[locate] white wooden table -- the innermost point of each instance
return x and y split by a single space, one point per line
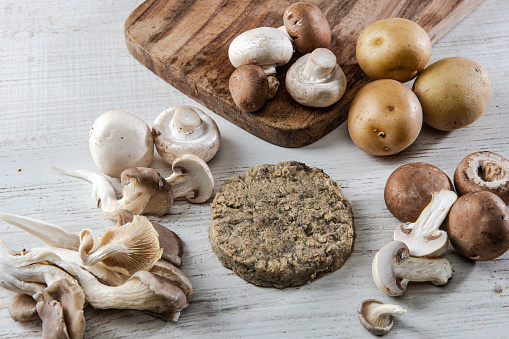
63 63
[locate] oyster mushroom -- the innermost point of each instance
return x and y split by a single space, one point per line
316 80
424 237
393 269
119 140
185 130
250 87
483 171
377 317
144 191
23 308
191 179
307 26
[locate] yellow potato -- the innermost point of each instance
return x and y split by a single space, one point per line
385 117
454 92
393 49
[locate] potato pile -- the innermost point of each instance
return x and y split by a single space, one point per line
385 117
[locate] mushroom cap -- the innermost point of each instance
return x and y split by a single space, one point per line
198 176
203 142
262 46
382 268
119 140
170 272
483 171
478 226
409 188
22 308
308 27
377 325
315 93
249 87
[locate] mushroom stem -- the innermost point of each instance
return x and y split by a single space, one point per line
186 124
319 65
380 315
51 235
273 86
269 69
489 169
438 271
180 184
433 215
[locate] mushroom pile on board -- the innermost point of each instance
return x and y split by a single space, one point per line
314 80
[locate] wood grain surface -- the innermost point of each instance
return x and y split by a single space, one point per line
186 43
64 62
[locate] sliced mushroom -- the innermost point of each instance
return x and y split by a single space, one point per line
424 237
316 80
393 268
144 191
23 308
483 171
119 140
307 26
127 249
266 47
191 179
250 87
377 317
185 130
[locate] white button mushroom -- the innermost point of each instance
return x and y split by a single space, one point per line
185 130
191 179
119 140
393 269
377 317
424 238
267 47
316 80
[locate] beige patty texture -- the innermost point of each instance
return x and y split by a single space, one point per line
281 225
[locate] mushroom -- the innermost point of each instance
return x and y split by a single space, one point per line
191 179
170 272
307 26
23 308
250 87
408 189
424 238
266 47
126 249
483 171
377 317
144 191
183 130
478 226
393 268
315 79
119 140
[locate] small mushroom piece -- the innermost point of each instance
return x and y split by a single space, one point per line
191 179
267 47
130 247
119 140
250 87
483 171
408 189
377 317
183 130
393 269
424 237
478 226
144 191
316 80
308 27
23 308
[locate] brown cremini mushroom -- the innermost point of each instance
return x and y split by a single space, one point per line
408 189
483 171
478 226
377 317
307 26
250 87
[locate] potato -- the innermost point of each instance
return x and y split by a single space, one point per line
393 49
454 92
385 117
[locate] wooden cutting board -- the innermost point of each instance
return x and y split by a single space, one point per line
185 42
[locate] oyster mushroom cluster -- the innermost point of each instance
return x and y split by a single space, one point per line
314 80
125 268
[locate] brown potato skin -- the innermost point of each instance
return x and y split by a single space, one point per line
393 48
249 87
408 189
454 92
478 226
385 117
